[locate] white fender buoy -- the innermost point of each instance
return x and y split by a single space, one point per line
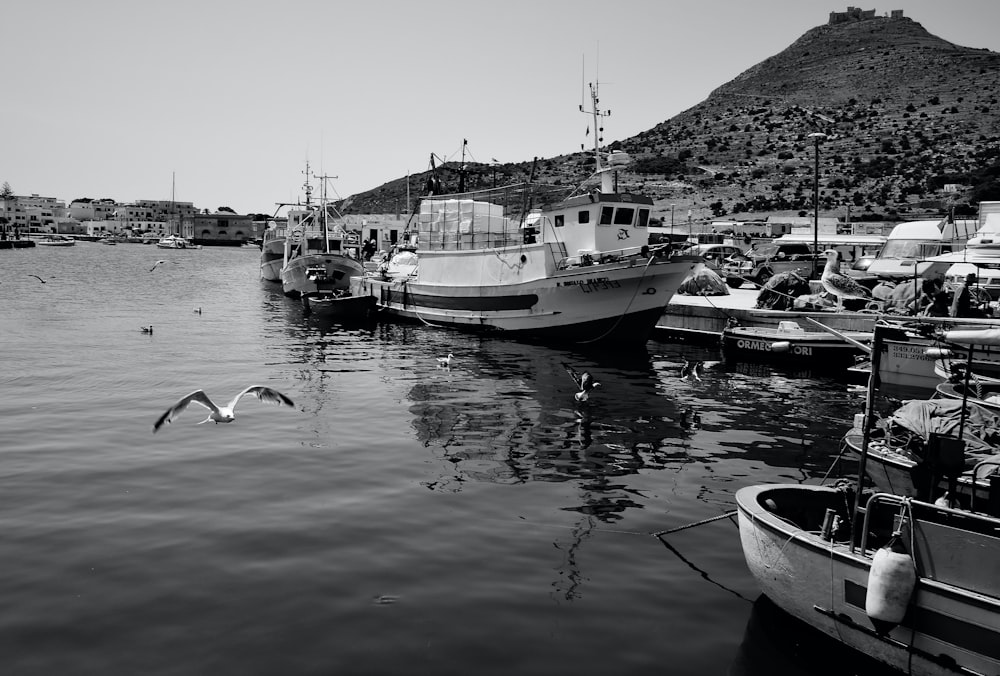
781 346
938 352
891 581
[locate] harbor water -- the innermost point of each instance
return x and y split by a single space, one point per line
403 518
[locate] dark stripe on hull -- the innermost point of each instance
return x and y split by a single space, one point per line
463 303
960 633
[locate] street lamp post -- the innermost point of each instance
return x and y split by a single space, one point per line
817 137
672 226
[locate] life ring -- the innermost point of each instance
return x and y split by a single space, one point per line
296 236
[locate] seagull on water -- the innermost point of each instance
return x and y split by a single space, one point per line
840 285
690 418
692 369
146 329
225 413
445 361
197 310
38 278
584 381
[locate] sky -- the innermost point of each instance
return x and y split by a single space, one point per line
222 102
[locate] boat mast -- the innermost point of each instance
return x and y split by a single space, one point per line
326 211
598 117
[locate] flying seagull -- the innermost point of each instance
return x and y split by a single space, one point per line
38 278
159 262
445 361
225 413
584 381
692 369
840 285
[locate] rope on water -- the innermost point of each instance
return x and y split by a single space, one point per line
726 515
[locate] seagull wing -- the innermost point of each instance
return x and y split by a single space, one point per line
587 381
197 397
265 394
574 375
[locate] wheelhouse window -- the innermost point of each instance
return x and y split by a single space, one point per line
643 218
606 214
624 215
560 220
583 217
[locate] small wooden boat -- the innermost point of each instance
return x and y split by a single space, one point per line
339 306
985 393
790 343
930 610
911 583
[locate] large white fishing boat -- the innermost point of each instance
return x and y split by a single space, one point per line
536 262
319 258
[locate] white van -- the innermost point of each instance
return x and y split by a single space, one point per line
909 245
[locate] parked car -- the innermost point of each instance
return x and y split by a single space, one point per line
758 264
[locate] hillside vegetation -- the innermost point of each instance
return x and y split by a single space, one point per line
911 122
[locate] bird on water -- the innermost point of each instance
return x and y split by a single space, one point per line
445 361
146 329
223 414
584 381
692 369
838 284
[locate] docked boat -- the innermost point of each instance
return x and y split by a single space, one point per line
912 583
343 306
790 343
176 242
272 251
980 391
56 240
538 263
916 451
319 258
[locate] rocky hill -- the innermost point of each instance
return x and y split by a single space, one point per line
912 125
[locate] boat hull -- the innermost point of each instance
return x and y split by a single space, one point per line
319 274
814 349
951 620
618 303
272 257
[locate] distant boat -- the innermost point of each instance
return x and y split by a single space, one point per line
539 262
56 240
272 251
317 259
176 242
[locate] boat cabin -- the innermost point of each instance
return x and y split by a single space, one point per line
583 227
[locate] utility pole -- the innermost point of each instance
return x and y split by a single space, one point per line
817 137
